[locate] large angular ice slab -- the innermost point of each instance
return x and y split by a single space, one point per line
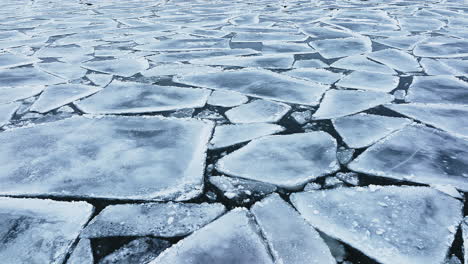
39 231
124 67
442 47
273 61
362 63
451 118
337 48
259 37
362 130
8 95
178 69
259 83
315 75
438 90
138 251
389 224
132 97
369 81
419 154
258 111
8 60
65 71
67 53
288 161
396 59
186 44
225 98
82 254
190 55
401 42
228 135
55 96
107 157
337 103
152 219
233 238
7 111
291 239
27 76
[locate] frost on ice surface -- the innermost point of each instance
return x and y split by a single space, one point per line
288 161
362 63
337 48
82 254
8 60
442 47
241 190
315 75
419 154
260 83
233 238
451 118
27 76
55 96
124 67
140 250
396 59
362 130
226 98
132 97
108 157
7 111
152 219
258 111
337 103
39 231
228 135
273 61
290 237
390 224
369 81
438 90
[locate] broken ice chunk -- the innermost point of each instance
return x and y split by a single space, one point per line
401 42
438 90
258 111
241 191
272 61
190 55
107 157
362 63
451 118
288 161
259 37
350 178
337 48
140 250
338 103
186 44
8 60
177 69
310 64
132 97
315 75
344 155
419 154
276 47
396 59
151 219
440 47
228 135
82 254
7 111
291 239
39 230
389 224
362 130
27 76
124 67
8 95
98 79
233 238
369 81
226 98
260 83
302 117
57 95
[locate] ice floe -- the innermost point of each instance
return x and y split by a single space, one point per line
258 111
228 135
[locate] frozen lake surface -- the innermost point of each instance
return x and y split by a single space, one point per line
233 131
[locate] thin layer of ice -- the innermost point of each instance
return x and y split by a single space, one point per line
442 47
419 154
108 157
396 59
337 48
186 44
124 67
369 81
27 76
337 103
8 95
258 111
178 69
290 237
272 61
8 60
228 135
315 75
438 90
389 224
65 71
186 56
233 238
39 231
225 98
362 130
362 63
98 79
401 42
132 97
7 111
288 161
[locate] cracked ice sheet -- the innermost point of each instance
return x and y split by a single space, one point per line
396 59
442 47
451 118
14 60
228 135
233 238
132 97
185 44
124 67
337 48
152 219
362 63
315 75
7 111
390 224
258 111
419 154
111 157
39 231
438 90
337 103
186 56
8 95
369 81
260 83
288 161
272 61
28 76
